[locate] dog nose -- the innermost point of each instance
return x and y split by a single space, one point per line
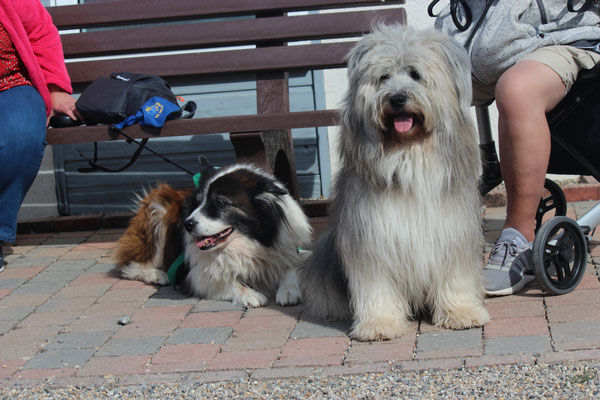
189 225
398 101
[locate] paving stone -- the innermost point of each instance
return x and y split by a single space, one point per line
214 306
79 340
516 309
33 262
450 340
100 268
63 241
155 314
490 361
200 335
67 304
49 251
130 346
92 324
11 283
21 272
308 329
167 296
88 279
45 319
112 309
7 325
523 326
379 351
83 291
44 374
266 323
59 359
575 330
25 300
274 309
518 345
257 340
85 255
65 276
42 287
247 359
113 366
147 329
206 319
574 313
120 296
170 354
15 313
71 265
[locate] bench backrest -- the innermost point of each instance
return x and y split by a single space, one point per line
203 39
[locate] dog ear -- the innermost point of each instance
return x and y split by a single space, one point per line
457 59
206 167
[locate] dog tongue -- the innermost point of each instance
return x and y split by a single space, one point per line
403 123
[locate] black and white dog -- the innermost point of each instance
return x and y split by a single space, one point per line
240 230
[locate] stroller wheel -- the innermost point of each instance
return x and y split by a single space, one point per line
552 199
559 255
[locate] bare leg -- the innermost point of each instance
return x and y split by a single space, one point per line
524 93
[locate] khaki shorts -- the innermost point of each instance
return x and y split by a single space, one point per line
566 61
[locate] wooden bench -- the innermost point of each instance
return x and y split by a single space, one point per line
202 38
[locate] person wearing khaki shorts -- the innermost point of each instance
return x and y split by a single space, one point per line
525 54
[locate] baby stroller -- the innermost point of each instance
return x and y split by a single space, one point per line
560 248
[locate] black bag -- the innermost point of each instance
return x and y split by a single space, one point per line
110 100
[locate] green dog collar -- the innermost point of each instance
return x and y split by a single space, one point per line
196 179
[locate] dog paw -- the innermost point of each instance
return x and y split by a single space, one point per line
251 298
149 275
288 295
378 329
156 277
464 318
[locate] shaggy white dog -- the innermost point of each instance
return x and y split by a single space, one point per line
404 230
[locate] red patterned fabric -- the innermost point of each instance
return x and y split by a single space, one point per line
11 70
37 42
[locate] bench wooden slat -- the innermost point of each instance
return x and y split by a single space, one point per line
239 123
267 59
225 33
139 11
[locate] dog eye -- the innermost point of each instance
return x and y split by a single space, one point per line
222 200
415 76
383 78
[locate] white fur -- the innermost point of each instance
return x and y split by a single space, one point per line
405 227
149 274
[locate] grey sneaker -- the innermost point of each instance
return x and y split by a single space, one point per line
510 266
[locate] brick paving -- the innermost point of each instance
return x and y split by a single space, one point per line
60 303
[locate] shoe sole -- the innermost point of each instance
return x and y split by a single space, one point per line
513 289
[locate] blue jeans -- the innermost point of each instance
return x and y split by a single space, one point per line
22 143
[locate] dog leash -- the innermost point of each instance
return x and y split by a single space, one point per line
172 271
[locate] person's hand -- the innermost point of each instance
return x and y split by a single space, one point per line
63 103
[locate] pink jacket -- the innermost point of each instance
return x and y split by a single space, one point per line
38 44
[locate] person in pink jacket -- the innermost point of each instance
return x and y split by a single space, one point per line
34 85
